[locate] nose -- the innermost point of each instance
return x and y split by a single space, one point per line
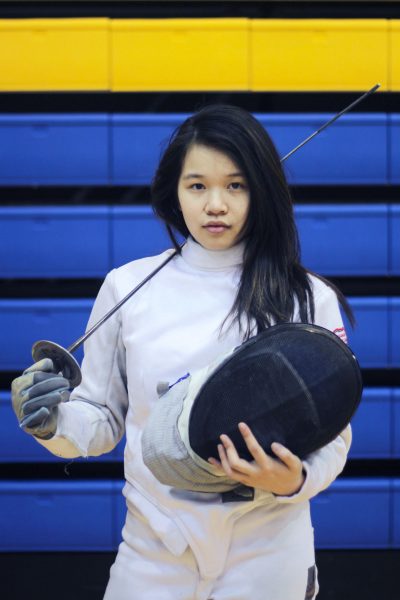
216 204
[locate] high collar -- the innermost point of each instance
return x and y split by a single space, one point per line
199 257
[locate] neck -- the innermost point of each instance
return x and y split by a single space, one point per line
212 260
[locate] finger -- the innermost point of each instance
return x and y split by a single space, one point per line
230 450
48 401
290 460
237 464
28 381
239 476
21 384
46 364
35 419
253 446
224 460
215 463
44 383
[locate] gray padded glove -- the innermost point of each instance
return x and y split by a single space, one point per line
36 395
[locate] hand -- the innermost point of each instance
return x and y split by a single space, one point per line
282 476
35 397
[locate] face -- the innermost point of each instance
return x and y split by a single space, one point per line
213 196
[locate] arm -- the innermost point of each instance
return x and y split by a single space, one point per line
92 422
323 466
289 478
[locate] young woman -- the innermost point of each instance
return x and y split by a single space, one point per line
219 184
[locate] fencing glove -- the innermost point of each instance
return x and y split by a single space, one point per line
36 395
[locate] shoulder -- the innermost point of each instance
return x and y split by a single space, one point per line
142 266
123 279
327 309
321 291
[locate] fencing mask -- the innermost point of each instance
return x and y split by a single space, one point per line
297 384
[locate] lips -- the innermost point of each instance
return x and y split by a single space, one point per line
219 224
216 226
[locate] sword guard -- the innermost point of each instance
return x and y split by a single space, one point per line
62 359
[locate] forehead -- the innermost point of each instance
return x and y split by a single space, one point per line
206 160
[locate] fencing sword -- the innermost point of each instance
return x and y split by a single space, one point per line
63 358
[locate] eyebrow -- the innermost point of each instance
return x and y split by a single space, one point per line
198 176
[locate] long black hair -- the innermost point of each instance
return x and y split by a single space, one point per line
272 275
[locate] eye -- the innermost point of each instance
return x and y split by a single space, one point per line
197 186
237 185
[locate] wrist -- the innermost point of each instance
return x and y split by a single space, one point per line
301 483
296 489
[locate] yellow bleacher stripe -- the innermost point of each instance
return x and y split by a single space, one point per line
199 54
318 54
180 54
54 54
394 75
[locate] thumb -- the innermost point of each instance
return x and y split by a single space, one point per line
35 419
45 364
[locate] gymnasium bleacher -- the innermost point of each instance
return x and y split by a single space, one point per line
347 206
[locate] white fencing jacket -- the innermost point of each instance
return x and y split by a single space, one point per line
172 326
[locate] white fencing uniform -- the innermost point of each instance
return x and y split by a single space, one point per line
178 544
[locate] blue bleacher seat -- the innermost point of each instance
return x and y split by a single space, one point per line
136 233
394 335
54 241
336 239
55 515
372 425
396 422
50 149
369 340
16 446
375 433
394 212
137 144
353 513
394 149
88 515
23 322
353 151
338 156
124 149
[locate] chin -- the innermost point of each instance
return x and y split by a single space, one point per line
217 244
214 242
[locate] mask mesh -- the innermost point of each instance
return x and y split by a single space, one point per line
295 384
